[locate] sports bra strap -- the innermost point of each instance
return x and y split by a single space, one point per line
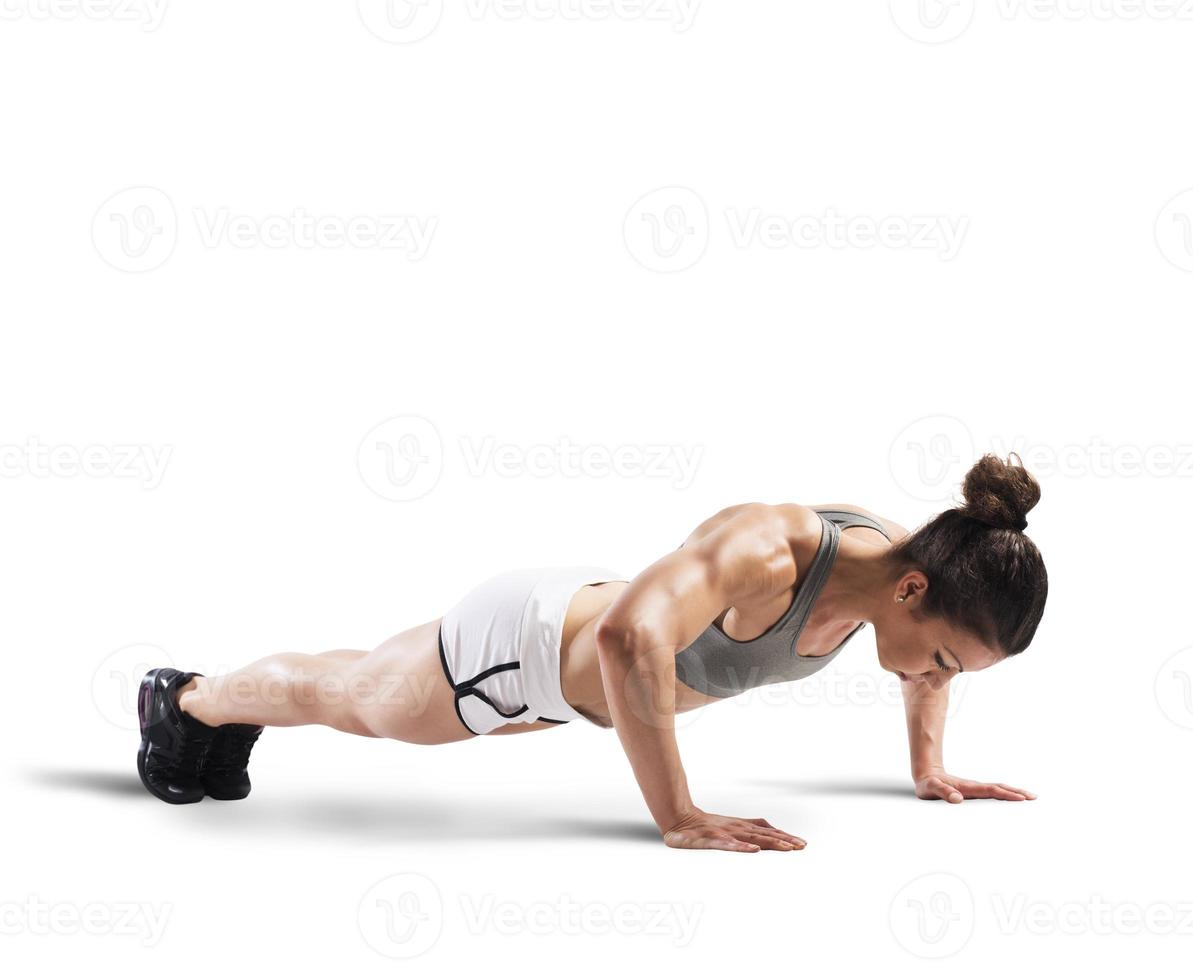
847 518
818 573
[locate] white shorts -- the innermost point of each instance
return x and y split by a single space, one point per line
499 646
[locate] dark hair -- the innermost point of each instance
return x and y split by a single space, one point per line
985 575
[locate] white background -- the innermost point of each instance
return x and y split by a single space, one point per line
256 365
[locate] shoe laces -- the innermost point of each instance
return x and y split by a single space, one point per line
193 751
185 758
231 747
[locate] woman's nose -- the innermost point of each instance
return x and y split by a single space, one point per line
932 678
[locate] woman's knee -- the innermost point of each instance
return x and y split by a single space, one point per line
303 685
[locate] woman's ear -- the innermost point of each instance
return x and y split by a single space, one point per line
910 589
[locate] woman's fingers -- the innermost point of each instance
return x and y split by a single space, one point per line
967 789
716 832
993 791
768 843
726 842
746 841
1001 792
761 826
945 791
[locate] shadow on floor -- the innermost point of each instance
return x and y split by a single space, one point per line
348 814
88 781
840 787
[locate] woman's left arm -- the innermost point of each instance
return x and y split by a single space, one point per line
926 708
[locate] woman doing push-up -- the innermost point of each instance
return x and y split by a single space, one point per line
756 595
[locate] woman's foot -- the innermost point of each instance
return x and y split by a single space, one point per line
225 774
174 745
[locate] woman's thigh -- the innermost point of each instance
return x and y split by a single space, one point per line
399 690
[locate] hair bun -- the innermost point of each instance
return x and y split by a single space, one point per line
999 492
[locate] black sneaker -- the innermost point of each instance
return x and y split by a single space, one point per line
173 744
225 773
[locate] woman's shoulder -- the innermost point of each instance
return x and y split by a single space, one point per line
797 525
783 520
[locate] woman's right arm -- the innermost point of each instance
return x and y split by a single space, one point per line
661 612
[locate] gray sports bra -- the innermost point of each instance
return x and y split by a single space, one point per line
720 666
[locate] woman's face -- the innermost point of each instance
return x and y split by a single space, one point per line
927 649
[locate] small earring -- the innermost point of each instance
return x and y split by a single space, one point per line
900 598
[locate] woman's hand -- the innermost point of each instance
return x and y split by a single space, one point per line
939 785
698 829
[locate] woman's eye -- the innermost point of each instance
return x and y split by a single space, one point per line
941 664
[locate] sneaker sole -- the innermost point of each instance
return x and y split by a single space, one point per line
144 703
217 796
